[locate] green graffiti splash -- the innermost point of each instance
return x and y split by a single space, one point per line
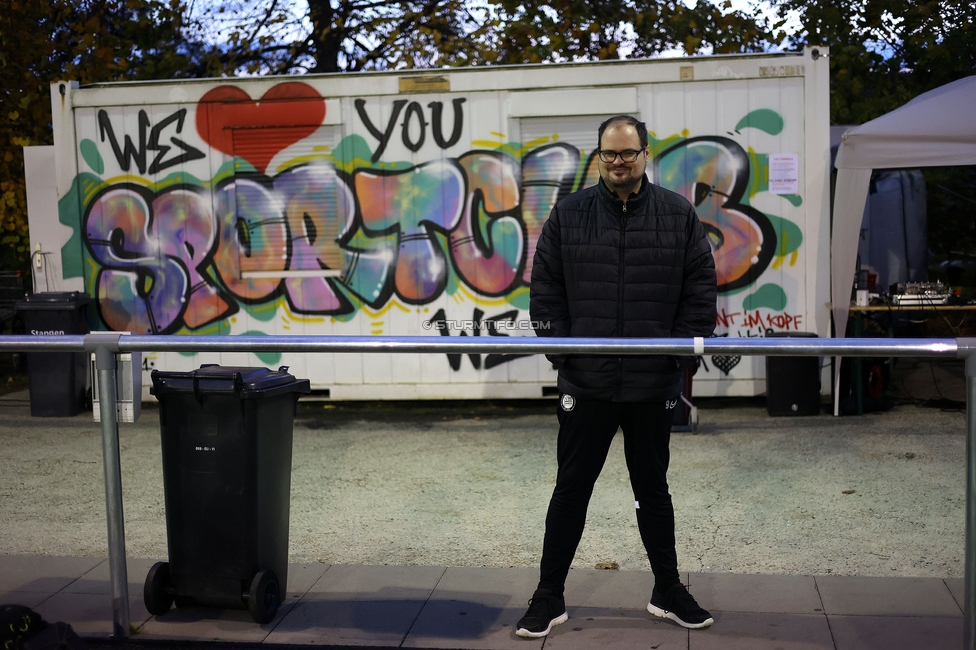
89 151
177 179
218 328
225 171
758 173
771 296
795 199
267 358
763 119
788 235
519 298
91 269
241 165
452 285
513 149
264 312
71 207
657 146
354 300
352 152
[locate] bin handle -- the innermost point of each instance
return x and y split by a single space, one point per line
196 390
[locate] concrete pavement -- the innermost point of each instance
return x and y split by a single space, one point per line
420 526
477 608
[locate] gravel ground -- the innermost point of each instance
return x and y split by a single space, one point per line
462 484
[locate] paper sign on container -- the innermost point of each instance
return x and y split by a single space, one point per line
784 173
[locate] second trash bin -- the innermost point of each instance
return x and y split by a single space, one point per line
58 380
226 437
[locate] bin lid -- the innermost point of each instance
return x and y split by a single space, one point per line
243 381
54 300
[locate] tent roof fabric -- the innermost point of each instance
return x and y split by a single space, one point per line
936 129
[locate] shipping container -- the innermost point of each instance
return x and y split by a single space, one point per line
409 202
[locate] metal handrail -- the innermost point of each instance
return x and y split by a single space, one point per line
107 345
500 344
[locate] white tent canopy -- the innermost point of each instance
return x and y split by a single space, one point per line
936 129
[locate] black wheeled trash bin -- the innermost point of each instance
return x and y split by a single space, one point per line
793 383
226 443
58 380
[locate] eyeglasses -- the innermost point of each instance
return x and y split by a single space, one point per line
627 155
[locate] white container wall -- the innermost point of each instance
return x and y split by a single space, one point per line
409 204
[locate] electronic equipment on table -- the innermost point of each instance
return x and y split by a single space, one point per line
919 293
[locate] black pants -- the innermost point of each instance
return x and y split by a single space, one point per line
585 433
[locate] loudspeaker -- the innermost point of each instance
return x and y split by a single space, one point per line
792 383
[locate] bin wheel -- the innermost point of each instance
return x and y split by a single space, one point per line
264 597
158 592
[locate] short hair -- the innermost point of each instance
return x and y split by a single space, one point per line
625 119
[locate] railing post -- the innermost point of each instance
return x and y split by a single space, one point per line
967 350
105 345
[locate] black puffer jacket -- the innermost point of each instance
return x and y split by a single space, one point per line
603 269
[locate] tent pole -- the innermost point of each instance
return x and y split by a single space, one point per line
836 386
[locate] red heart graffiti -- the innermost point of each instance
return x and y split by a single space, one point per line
256 130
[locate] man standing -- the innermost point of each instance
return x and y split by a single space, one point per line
624 258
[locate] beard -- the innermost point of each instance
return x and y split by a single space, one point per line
631 181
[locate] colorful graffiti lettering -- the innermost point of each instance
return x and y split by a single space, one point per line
411 229
488 250
151 252
414 206
327 235
547 174
712 173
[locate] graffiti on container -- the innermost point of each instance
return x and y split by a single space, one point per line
750 325
413 116
756 319
328 235
493 325
130 152
708 171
